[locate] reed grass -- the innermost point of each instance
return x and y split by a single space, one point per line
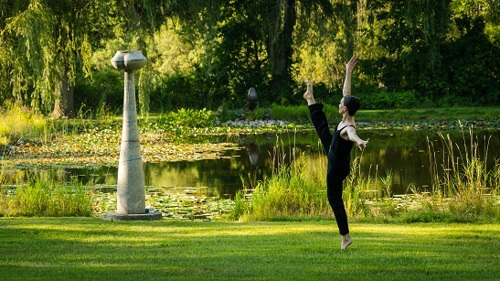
20 123
464 188
460 172
287 194
45 196
297 189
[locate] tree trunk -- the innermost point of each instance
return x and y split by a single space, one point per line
281 80
64 106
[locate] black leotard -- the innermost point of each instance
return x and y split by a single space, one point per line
337 148
339 154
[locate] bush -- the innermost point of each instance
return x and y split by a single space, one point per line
190 118
385 100
182 123
259 114
105 89
175 91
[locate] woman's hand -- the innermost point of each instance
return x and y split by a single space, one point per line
346 90
361 144
351 64
352 136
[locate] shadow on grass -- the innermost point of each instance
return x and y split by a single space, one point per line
92 249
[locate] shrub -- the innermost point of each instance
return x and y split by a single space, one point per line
259 114
175 91
190 118
105 89
388 100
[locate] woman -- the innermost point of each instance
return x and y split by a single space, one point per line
338 146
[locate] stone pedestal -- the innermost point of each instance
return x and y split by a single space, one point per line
132 217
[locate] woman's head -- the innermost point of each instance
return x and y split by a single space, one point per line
352 103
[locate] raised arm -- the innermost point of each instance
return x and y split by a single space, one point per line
348 73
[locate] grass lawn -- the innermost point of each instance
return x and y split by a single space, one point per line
93 249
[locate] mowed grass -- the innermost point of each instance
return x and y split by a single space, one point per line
93 249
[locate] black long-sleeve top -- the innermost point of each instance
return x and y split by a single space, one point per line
337 149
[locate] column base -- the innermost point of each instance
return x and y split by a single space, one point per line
132 217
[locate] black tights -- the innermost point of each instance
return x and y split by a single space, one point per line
334 193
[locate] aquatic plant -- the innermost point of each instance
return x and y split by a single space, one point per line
46 196
20 124
288 194
460 172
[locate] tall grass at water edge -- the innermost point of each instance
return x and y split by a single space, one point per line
463 189
23 125
19 123
463 184
46 196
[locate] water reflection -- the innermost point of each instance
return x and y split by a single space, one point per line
404 154
253 153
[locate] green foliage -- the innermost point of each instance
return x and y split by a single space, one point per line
47 197
354 195
297 191
20 123
241 206
31 61
463 175
463 191
176 91
203 54
301 113
289 195
188 118
260 114
468 55
293 191
104 89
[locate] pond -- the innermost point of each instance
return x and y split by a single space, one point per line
403 153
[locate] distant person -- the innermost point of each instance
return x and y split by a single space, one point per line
338 146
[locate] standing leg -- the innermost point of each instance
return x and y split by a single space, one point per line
334 193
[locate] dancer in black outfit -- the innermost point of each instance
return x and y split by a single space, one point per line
338 147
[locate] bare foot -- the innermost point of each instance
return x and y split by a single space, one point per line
308 95
346 241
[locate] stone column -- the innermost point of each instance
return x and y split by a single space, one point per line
130 189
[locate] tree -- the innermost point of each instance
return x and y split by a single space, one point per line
246 37
46 40
327 36
487 10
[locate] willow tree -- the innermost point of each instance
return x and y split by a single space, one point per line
45 39
48 42
134 23
7 10
260 32
327 36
